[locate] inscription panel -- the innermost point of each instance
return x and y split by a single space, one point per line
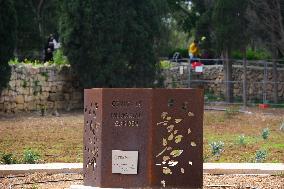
126 128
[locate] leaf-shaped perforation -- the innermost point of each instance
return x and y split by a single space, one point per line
185 106
171 102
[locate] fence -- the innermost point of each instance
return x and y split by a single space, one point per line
256 82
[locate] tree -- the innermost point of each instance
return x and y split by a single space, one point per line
230 33
36 20
111 43
267 21
8 25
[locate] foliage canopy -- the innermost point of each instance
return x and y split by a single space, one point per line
8 39
111 43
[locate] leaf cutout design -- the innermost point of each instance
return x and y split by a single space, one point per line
193 144
169 118
182 170
178 120
161 152
176 153
170 128
167 171
164 115
169 148
171 137
178 138
166 158
189 131
163 122
165 142
172 163
190 114
175 132
163 183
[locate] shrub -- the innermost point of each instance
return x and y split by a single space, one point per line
252 55
59 58
231 111
31 157
282 127
260 156
8 159
265 133
241 140
8 38
217 148
183 52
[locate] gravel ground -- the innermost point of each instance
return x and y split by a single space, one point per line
61 181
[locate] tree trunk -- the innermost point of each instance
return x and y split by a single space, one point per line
228 77
245 78
275 81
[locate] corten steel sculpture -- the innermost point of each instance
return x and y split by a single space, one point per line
164 126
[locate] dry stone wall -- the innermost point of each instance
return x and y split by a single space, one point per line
213 80
41 87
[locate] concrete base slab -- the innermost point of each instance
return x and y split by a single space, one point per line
52 168
208 168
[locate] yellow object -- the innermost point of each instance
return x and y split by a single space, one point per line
193 49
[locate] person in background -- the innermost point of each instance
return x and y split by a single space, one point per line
193 50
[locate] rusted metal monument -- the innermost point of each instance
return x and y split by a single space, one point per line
143 138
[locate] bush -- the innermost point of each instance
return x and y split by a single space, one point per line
241 140
217 148
252 55
265 133
8 38
260 156
59 58
183 52
31 157
8 159
282 127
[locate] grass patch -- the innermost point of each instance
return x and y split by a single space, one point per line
60 139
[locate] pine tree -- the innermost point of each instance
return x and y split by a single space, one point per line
111 43
8 37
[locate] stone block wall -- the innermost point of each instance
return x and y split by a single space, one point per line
213 80
41 87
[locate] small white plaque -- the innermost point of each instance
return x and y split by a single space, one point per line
124 162
199 69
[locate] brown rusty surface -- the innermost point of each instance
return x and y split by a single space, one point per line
177 138
92 158
125 126
157 123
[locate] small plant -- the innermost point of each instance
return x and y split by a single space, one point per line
230 112
14 61
25 84
31 157
59 58
8 159
260 156
265 133
282 127
165 64
217 148
241 139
